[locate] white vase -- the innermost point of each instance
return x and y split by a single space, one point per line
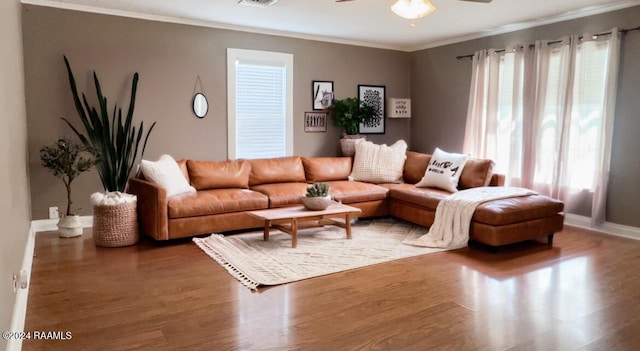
70 226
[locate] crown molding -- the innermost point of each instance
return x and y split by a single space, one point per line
207 24
587 11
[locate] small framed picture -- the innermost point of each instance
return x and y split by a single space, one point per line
322 94
315 121
373 95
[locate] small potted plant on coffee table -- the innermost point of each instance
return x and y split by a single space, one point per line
317 197
67 160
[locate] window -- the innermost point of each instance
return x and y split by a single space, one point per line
545 114
260 104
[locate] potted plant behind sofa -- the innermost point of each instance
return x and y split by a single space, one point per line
117 142
67 160
349 113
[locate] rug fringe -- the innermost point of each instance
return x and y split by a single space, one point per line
241 277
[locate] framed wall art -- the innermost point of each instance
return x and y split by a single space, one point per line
321 94
373 95
315 121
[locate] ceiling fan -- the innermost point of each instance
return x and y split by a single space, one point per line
414 9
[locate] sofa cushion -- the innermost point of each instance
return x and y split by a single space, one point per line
276 170
167 174
517 209
322 169
425 197
476 172
353 191
375 163
444 170
216 201
219 175
282 194
415 166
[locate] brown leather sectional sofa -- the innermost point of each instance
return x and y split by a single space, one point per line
227 189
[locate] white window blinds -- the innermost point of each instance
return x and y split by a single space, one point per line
260 111
260 104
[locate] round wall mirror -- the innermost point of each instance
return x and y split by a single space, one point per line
200 105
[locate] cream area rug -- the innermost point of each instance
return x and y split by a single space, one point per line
255 262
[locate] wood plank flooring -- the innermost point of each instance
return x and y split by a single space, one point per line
581 294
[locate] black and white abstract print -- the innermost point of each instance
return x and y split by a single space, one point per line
373 95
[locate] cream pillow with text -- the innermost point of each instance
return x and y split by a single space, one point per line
443 171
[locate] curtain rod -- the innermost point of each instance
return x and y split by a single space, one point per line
623 31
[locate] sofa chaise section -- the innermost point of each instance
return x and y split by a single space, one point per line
495 223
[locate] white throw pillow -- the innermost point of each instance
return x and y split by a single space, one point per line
444 171
379 163
166 173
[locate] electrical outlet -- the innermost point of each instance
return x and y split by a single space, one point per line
53 212
23 280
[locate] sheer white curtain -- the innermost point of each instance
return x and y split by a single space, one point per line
545 113
496 129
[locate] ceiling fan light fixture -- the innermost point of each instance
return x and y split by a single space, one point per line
412 9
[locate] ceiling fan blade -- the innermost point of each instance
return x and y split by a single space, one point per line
343 0
485 1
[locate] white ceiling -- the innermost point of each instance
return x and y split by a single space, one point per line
360 22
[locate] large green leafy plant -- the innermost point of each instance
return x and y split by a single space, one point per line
115 138
349 113
67 160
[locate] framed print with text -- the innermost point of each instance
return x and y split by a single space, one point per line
315 122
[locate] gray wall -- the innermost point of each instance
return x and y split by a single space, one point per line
168 58
14 201
440 94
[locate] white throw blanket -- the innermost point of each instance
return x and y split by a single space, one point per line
450 227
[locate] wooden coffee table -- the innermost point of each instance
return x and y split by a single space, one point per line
290 219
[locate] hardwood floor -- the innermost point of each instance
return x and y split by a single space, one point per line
581 294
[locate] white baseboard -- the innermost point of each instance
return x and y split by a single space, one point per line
45 225
20 306
609 228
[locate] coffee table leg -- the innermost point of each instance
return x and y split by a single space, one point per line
347 224
294 233
267 225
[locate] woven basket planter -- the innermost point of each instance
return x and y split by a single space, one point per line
348 144
115 225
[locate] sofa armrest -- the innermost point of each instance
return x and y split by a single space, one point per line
497 179
153 210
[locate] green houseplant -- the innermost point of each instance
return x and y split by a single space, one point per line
67 160
348 114
317 197
317 190
115 138
118 143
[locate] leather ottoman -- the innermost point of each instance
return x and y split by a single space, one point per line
512 220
